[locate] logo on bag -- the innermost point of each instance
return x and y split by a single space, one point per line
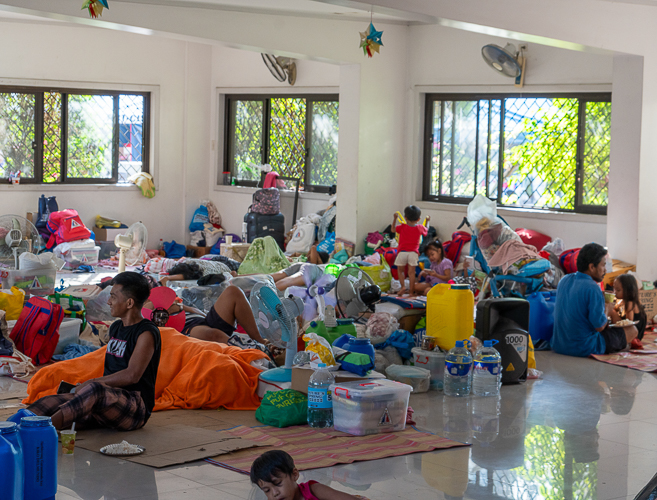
75 224
35 283
385 418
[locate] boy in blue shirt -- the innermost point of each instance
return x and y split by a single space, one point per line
580 316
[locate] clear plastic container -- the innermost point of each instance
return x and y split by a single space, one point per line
39 282
418 378
450 314
458 371
370 407
487 371
434 361
320 406
82 256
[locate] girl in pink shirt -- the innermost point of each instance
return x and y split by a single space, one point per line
440 270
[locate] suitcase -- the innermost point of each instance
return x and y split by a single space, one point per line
259 226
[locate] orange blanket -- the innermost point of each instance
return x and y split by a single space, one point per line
192 374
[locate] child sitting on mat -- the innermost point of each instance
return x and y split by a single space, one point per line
410 237
628 305
440 270
275 474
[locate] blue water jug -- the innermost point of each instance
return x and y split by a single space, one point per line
353 344
39 440
23 412
541 315
11 462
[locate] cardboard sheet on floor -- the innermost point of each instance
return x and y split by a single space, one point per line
13 395
316 448
167 445
204 419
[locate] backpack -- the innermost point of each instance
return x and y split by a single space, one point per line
453 248
568 260
46 207
266 202
37 330
199 219
66 225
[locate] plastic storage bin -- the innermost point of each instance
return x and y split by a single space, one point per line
450 314
434 361
370 407
82 257
69 333
32 282
418 378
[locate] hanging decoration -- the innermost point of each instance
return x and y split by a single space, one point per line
95 7
370 40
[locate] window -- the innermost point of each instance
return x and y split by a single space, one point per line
296 135
544 152
53 136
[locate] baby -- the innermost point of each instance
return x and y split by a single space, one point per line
275 474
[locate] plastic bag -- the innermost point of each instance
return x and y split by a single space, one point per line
199 219
392 355
381 275
381 362
380 326
283 408
11 301
97 308
321 349
28 261
401 340
481 208
555 247
418 378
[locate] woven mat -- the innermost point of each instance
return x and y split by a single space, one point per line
643 360
315 448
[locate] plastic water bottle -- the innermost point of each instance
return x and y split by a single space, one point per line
458 367
11 462
457 419
487 373
320 405
39 440
486 418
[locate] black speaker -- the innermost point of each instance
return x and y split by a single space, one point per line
507 321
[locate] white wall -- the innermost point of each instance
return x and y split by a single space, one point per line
454 63
42 54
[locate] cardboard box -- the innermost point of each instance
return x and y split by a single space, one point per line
649 300
619 267
108 233
301 377
199 251
409 322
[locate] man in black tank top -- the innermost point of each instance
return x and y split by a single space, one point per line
124 397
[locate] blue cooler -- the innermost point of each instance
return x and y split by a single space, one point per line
541 315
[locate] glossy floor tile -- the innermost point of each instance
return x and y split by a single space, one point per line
586 430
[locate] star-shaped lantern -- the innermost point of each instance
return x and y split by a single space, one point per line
370 40
95 7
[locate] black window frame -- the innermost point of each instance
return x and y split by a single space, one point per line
583 98
37 145
229 129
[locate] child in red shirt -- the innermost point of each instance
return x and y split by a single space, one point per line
408 249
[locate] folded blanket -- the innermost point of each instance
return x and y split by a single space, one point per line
193 374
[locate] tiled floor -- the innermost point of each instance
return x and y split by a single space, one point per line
586 430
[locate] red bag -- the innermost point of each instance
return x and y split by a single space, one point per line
533 238
389 254
37 330
66 225
568 260
453 247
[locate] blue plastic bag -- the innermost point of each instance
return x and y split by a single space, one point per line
402 340
199 219
328 244
174 250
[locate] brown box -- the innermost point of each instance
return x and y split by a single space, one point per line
409 322
619 267
108 233
301 377
199 251
32 217
649 300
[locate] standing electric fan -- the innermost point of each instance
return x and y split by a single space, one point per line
277 322
17 235
355 293
131 245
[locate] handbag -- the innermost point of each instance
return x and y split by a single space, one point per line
266 201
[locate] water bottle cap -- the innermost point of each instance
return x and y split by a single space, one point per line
459 343
321 365
488 343
35 422
7 427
